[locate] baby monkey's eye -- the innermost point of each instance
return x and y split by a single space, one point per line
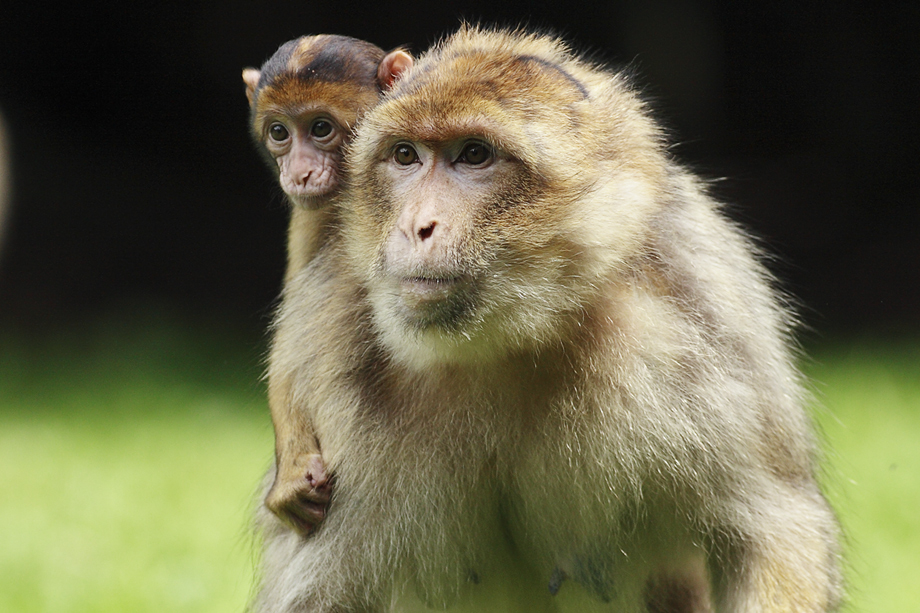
475 153
321 128
405 155
277 132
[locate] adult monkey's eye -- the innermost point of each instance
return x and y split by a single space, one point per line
321 128
277 132
476 153
405 155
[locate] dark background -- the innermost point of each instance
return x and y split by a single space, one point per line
135 184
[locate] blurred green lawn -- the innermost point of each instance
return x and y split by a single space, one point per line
130 455
129 461
869 392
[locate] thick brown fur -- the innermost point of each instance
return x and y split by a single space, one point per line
556 380
334 79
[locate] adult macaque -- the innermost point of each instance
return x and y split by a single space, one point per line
547 373
305 101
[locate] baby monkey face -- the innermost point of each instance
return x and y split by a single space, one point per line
307 150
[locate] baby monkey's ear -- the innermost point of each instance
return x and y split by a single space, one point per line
251 79
392 66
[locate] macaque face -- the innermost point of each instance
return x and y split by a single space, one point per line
465 222
307 149
440 191
464 267
306 99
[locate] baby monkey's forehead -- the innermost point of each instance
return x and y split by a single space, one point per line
295 97
325 58
290 90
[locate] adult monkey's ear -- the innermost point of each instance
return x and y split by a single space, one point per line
392 66
251 79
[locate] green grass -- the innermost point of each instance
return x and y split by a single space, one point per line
129 459
870 392
130 454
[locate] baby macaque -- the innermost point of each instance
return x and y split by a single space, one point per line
547 372
305 102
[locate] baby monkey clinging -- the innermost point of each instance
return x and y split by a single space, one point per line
304 103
